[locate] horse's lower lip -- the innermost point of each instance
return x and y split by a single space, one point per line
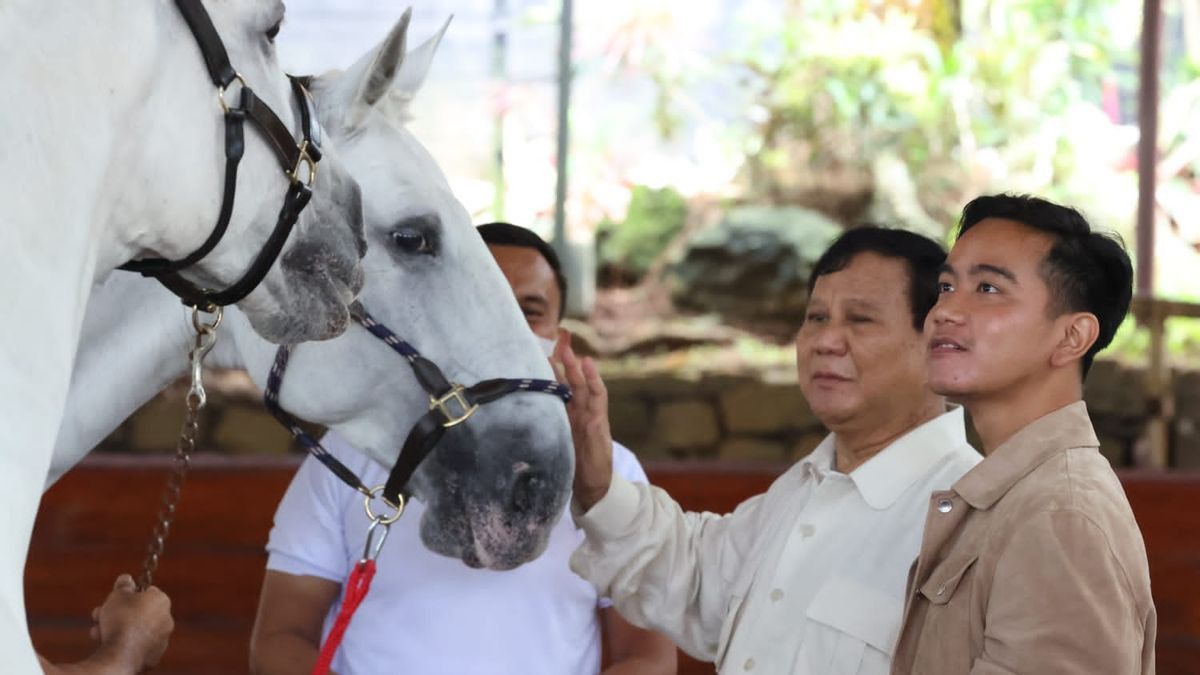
470 560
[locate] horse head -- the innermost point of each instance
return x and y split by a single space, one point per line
176 145
495 485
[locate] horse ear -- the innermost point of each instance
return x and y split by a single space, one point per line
363 84
387 62
416 64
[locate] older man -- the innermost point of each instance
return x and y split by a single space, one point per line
1032 562
809 577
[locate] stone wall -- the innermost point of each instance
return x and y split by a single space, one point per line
752 416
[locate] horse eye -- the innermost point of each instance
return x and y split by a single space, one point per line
273 31
411 241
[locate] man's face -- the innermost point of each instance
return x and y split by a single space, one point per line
533 282
860 361
991 328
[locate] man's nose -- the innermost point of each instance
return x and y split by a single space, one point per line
830 339
947 310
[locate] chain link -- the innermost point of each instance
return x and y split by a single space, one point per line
206 337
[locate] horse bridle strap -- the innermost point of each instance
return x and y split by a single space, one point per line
451 404
298 160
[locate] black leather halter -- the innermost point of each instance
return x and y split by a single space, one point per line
298 161
450 404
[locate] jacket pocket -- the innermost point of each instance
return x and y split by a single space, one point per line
943 581
846 618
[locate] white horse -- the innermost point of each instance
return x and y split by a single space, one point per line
496 484
113 150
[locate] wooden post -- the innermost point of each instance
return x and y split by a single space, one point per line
1152 450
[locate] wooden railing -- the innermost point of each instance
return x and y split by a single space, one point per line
95 524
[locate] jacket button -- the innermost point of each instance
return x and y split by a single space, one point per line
945 505
941 589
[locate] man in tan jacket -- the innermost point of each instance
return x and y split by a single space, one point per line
1032 562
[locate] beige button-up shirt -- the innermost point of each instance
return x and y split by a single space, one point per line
807 578
1031 563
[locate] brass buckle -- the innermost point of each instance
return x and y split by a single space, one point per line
304 160
465 410
221 93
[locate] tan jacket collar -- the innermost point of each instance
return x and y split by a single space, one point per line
991 479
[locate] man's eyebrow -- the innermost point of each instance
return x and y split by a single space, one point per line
995 269
534 299
947 268
863 305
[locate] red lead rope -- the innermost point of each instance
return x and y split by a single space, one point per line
356 589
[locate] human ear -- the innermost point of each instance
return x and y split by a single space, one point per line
1079 332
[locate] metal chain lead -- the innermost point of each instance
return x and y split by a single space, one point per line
206 337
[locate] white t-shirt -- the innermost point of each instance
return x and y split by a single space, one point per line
426 614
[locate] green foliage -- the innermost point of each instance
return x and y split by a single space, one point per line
1132 342
837 84
654 218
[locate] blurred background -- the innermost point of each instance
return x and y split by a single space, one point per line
712 149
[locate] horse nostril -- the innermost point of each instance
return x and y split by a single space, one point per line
527 488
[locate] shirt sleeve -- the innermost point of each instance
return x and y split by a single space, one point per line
307 537
626 463
1061 602
664 568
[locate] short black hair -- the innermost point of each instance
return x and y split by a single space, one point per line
507 234
923 256
1085 270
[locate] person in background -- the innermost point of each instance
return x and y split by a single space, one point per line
427 614
809 577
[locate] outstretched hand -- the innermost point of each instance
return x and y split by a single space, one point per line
588 415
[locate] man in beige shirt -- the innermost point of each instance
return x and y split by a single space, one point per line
1032 562
809 577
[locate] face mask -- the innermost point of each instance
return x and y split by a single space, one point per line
547 345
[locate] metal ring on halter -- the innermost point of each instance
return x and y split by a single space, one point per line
388 520
206 337
201 326
221 93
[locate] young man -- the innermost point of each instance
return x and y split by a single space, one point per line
1032 562
431 615
809 577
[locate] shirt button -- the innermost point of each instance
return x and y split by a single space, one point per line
807 530
776 595
945 505
748 665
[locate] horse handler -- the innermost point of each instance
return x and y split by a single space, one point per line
537 619
132 628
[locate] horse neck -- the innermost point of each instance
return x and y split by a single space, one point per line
135 341
68 101
73 110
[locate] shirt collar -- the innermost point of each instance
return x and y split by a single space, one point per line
883 478
991 479
818 463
